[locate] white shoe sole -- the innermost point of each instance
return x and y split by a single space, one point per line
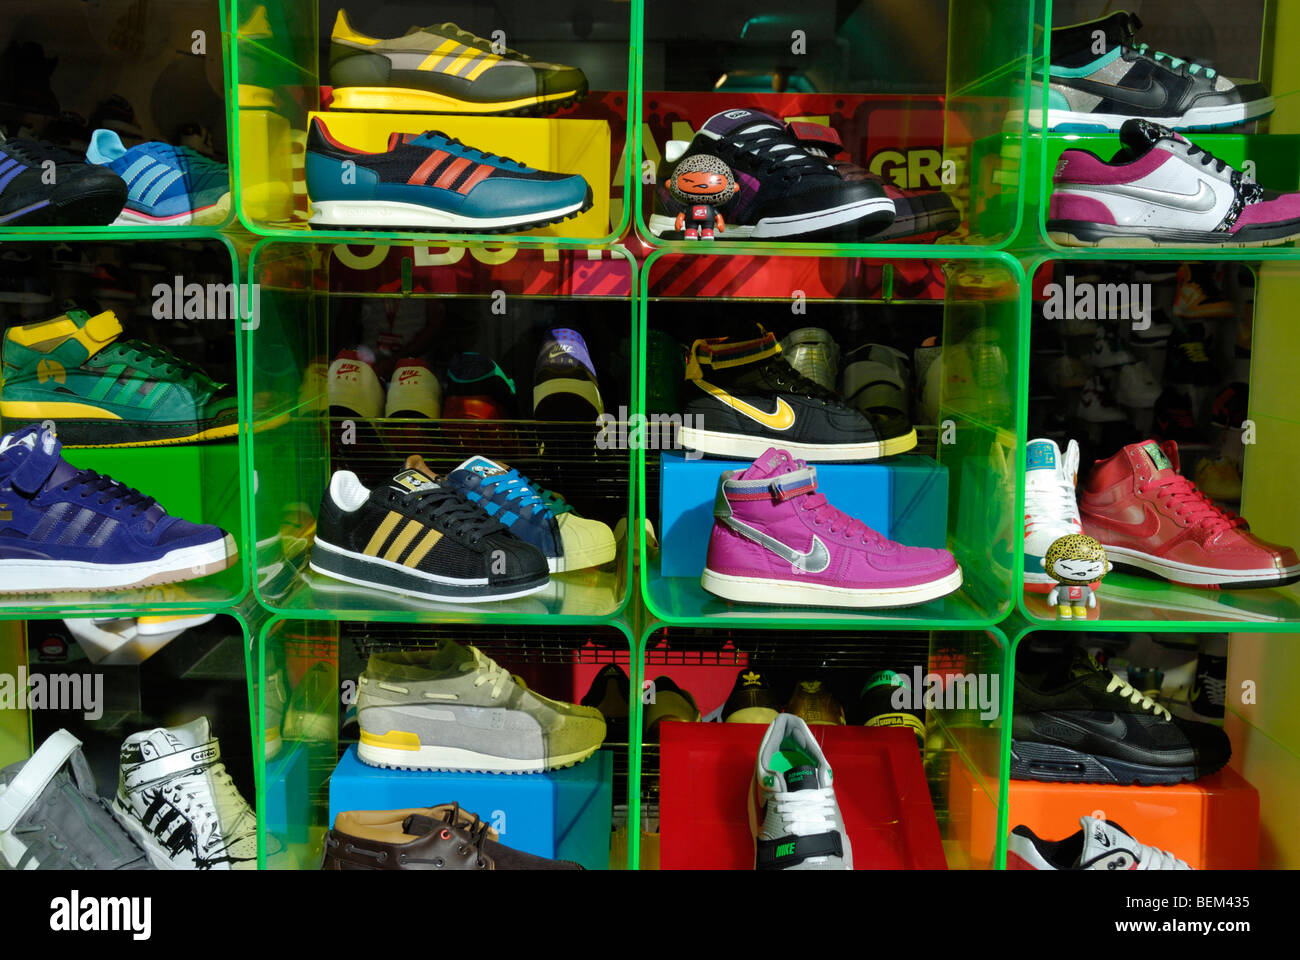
1227 115
51 576
770 227
769 591
457 758
1189 575
744 447
393 213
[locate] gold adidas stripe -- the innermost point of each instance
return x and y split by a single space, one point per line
389 523
482 65
421 548
403 539
466 59
444 48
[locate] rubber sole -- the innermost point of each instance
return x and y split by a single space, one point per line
459 759
877 210
1205 118
407 100
1205 578
391 214
1078 233
85 434
1055 764
740 446
60 576
380 574
770 591
203 216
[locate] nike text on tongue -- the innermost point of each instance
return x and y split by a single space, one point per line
801 778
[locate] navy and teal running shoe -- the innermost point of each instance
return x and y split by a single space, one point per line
67 529
534 515
430 181
165 184
78 194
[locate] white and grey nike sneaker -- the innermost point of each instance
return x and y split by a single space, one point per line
1100 845
454 708
176 799
1162 190
793 816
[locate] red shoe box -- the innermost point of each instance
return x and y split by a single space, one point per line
705 772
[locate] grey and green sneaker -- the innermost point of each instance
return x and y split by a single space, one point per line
793 815
52 817
102 391
454 708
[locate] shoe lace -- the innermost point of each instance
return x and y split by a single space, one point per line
807 812
483 154
209 798
1190 504
824 512
515 486
775 151
474 40
1153 858
1206 158
489 671
109 491
1130 40
787 379
35 151
448 511
1136 697
1051 504
475 827
157 359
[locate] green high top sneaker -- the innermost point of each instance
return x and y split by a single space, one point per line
104 392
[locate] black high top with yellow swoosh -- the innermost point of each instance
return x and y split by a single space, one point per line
744 397
418 536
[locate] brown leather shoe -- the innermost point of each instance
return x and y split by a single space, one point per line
430 838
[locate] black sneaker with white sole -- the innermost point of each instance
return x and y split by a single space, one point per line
417 536
783 190
743 397
1076 722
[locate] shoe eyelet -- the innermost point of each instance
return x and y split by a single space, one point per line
480 864
439 862
402 859
463 850
445 834
383 857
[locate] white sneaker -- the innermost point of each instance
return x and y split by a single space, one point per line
1103 846
353 387
1051 509
793 816
1137 387
176 799
414 391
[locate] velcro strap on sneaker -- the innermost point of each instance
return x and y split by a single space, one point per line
37 466
786 852
816 135
102 327
794 484
36 774
164 768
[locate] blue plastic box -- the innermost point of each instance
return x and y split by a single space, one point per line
904 498
564 814
287 797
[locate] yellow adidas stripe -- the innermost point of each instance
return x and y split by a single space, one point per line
421 548
403 539
389 523
444 48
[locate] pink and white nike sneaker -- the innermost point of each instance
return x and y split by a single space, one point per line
777 540
1161 190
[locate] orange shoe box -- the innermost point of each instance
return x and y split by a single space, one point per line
1213 823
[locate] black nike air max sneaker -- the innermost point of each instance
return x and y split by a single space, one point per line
1076 722
744 397
782 189
1090 90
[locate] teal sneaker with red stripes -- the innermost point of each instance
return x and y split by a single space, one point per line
101 391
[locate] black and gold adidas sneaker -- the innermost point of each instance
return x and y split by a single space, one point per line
744 397
418 537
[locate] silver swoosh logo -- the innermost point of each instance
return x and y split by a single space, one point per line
817 559
1200 201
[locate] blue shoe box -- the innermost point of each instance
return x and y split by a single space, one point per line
904 498
562 814
287 802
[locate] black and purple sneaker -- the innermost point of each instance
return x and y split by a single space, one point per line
783 190
42 185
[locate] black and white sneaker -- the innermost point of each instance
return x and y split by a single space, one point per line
783 190
417 536
1100 845
1161 189
744 398
1091 90
1076 722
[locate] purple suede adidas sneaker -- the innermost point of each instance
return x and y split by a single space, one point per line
777 540
783 188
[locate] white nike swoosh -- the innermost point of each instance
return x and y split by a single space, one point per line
1200 201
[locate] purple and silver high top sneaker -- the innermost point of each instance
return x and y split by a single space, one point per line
777 540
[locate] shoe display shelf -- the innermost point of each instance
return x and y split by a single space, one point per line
143 296
905 805
112 78
910 102
106 678
956 321
1236 817
307 672
1206 367
281 80
311 416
